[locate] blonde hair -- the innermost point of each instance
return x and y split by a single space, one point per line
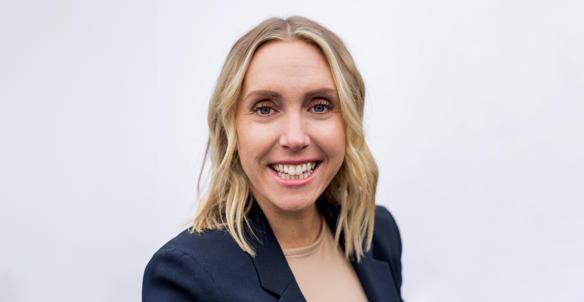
227 199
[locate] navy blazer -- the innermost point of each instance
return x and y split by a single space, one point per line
210 266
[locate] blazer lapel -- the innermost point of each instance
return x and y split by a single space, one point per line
277 278
271 265
375 275
376 279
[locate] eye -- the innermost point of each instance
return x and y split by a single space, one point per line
320 107
264 109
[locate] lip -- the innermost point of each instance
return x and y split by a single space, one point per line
294 183
294 162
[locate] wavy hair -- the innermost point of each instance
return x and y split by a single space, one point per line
226 201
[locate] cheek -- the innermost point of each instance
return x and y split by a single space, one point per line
244 143
332 139
338 146
253 142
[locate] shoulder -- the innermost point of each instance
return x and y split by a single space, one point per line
204 244
206 248
386 229
387 244
186 267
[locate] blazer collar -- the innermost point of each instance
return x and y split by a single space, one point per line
275 274
271 265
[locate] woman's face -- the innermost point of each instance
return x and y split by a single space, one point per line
290 132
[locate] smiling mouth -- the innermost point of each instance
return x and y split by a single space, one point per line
301 171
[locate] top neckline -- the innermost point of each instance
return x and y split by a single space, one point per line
310 249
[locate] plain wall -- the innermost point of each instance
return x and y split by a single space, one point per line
474 114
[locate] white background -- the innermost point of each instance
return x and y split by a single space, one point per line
474 114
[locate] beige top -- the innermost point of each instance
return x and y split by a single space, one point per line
322 272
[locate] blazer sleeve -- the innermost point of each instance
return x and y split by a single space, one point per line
174 275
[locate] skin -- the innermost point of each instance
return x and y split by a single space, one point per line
289 111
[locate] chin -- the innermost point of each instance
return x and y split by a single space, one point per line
294 204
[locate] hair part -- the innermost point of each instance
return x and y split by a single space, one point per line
226 201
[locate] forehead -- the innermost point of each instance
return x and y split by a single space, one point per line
288 64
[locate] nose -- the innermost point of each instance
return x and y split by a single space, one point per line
294 136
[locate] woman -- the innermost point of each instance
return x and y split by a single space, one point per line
290 211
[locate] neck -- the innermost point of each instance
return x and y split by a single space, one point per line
294 229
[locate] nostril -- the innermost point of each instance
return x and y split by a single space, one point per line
294 141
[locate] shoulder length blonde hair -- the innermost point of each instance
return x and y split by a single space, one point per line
226 202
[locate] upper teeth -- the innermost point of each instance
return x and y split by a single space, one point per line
294 169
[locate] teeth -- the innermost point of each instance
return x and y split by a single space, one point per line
294 171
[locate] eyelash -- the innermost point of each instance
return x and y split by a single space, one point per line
262 105
323 102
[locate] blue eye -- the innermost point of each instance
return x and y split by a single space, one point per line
264 110
320 108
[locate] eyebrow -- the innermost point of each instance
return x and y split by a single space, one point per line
273 94
262 93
